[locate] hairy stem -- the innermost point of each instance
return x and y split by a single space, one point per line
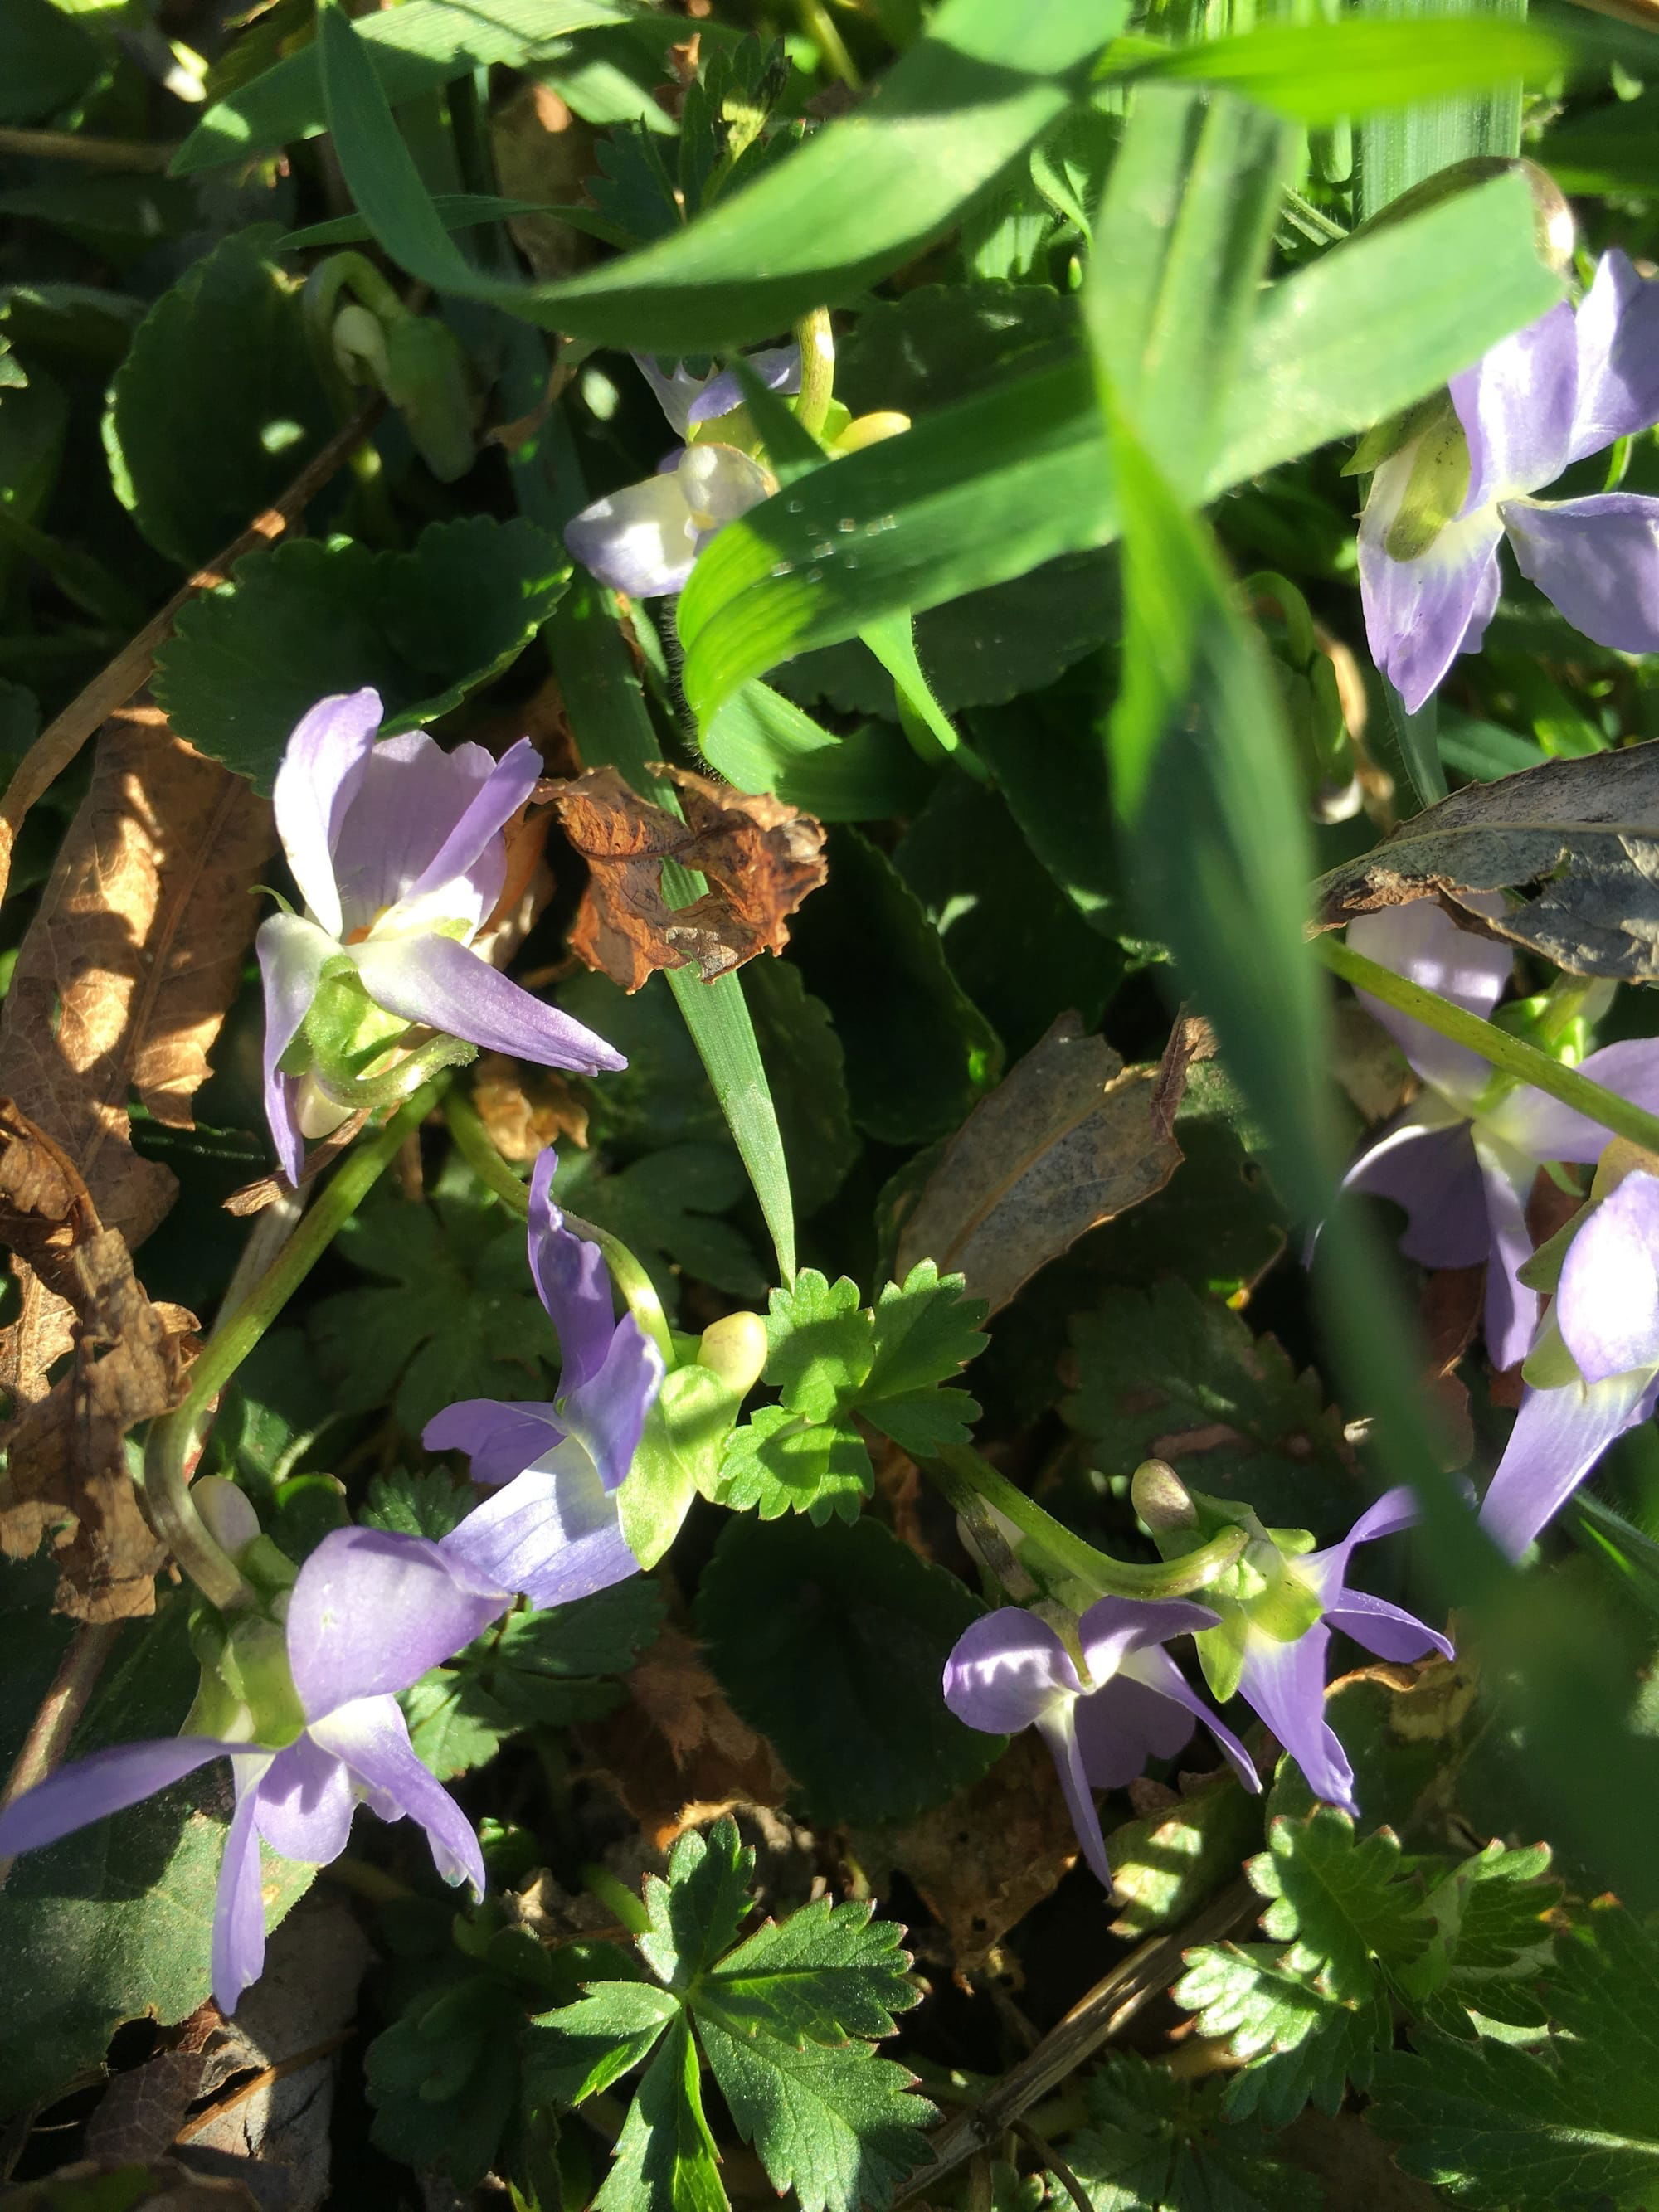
174 1442
962 1474
1512 1054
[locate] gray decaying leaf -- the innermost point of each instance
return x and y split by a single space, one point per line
1585 832
1069 1138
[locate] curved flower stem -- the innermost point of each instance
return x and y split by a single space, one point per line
817 340
1513 1054
173 1442
639 1292
961 1473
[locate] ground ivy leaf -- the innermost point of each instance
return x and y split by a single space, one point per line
1297 2043
307 617
821 1343
665 2157
577 2050
1157 2143
1338 1902
839 2126
827 1973
778 1463
698 1910
1495 2126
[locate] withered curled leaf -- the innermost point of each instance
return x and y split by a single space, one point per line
1067 1139
67 1461
761 859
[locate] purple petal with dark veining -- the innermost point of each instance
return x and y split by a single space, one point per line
607 1412
1516 407
571 1280
501 1438
553 1533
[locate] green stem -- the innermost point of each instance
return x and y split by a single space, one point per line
817 340
961 1474
173 1441
815 20
639 1292
1494 1045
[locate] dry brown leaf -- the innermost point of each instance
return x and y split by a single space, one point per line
543 153
676 1753
66 1457
761 857
1067 1139
984 1859
525 1110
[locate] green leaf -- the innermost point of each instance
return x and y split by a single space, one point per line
115 1923
1166 1864
665 2157
820 1342
825 1974
427 1501
457 1317
217 403
423 628
1495 2127
807 1072
1298 2043
1321 72
1492 1942
577 2050
859 200
1427 134
778 1463
838 2126
443 2079
832 1642
919 1051
46 61
989 490
696 1912
1167 1374
1337 1903
431 42
927 1330
667 1209
761 741
1155 2143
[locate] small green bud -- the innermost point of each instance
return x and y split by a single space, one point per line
1160 1497
735 1348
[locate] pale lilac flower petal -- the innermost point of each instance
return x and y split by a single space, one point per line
372 1736
372 1611
104 1782
571 1280
291 953
1326 1572
323 766
607 1413
1608 1304
1430 1172
1286 1684
505 789
304 1804
1057 1728
1597 559
721 482
1007 1669
1511 1320
1157 1671
777 367
1422 942
676 392
1388 1630
641 540
1115 1627
1516 407
1421 614
239 1913
1123 1725
449 988
1559 1436
554 1533
1547 1130
501 1438
1617 343
412 795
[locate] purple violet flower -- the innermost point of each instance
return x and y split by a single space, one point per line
398 851
368 1614
644 538
554 1531
1562 389
1284 1680
1011 1670
1603 1331
1462 1158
